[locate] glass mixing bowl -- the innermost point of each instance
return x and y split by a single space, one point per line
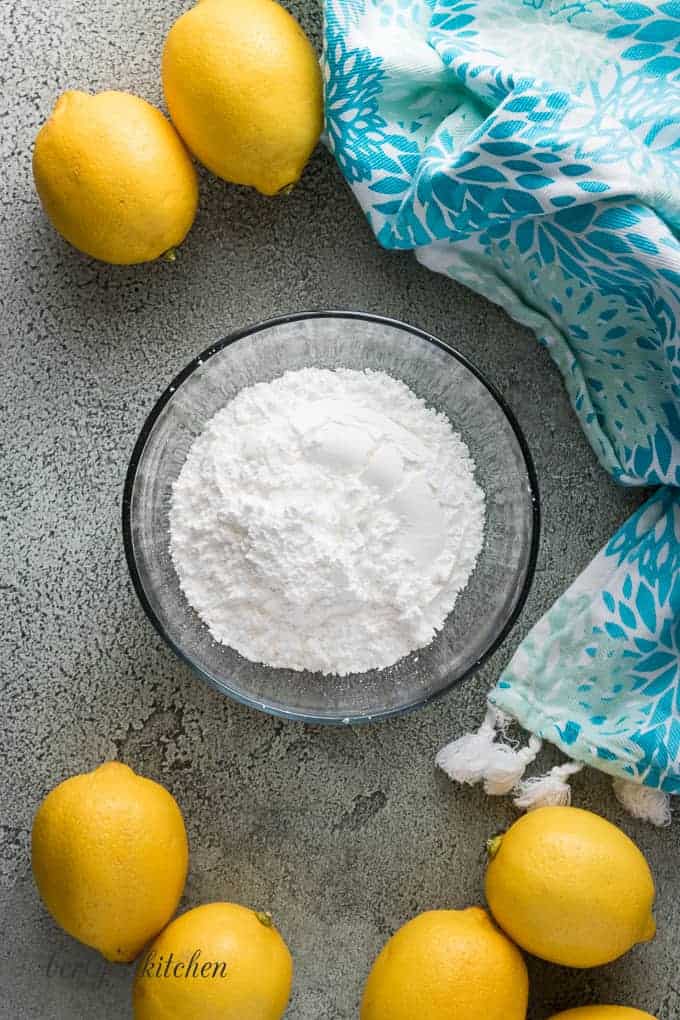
495 593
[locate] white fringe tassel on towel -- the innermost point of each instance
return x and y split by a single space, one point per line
489 757
550 790
644 802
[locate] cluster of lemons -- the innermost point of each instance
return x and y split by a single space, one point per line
110 858
243 87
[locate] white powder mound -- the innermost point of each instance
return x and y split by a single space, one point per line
326 521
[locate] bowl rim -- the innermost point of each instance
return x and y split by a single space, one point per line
248 331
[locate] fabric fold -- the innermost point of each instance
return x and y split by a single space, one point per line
530 150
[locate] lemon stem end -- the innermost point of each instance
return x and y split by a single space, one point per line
493 846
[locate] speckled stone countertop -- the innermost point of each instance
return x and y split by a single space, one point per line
343 834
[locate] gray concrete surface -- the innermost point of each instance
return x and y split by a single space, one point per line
343 834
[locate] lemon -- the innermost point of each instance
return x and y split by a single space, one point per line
243 87
114 177
110 857
220 961
603 1013
444 964
569 887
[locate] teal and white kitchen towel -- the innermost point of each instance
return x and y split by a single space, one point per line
530 149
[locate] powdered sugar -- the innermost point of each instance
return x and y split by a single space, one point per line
326 521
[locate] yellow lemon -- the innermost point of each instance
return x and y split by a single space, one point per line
114 177
568 886
603 1013
243 86
220 961
110 858
447 963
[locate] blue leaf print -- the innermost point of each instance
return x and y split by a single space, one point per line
662 65
435 221
643 51
542 116
466 157
402 143
448 24
615 218
642 243
654 662
642 460
674 738
390 186
664 450
506 128
633 11
567 245
663 709
645 606
621 31
488 174
570 732
525 236
661 683
575 169
522 166
674 602
521 201
505 148
592 186
557 100
607 241
524 104
573 270
388 208
628 618
480 193
533 181
545 248
449 192
659 31
576 219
